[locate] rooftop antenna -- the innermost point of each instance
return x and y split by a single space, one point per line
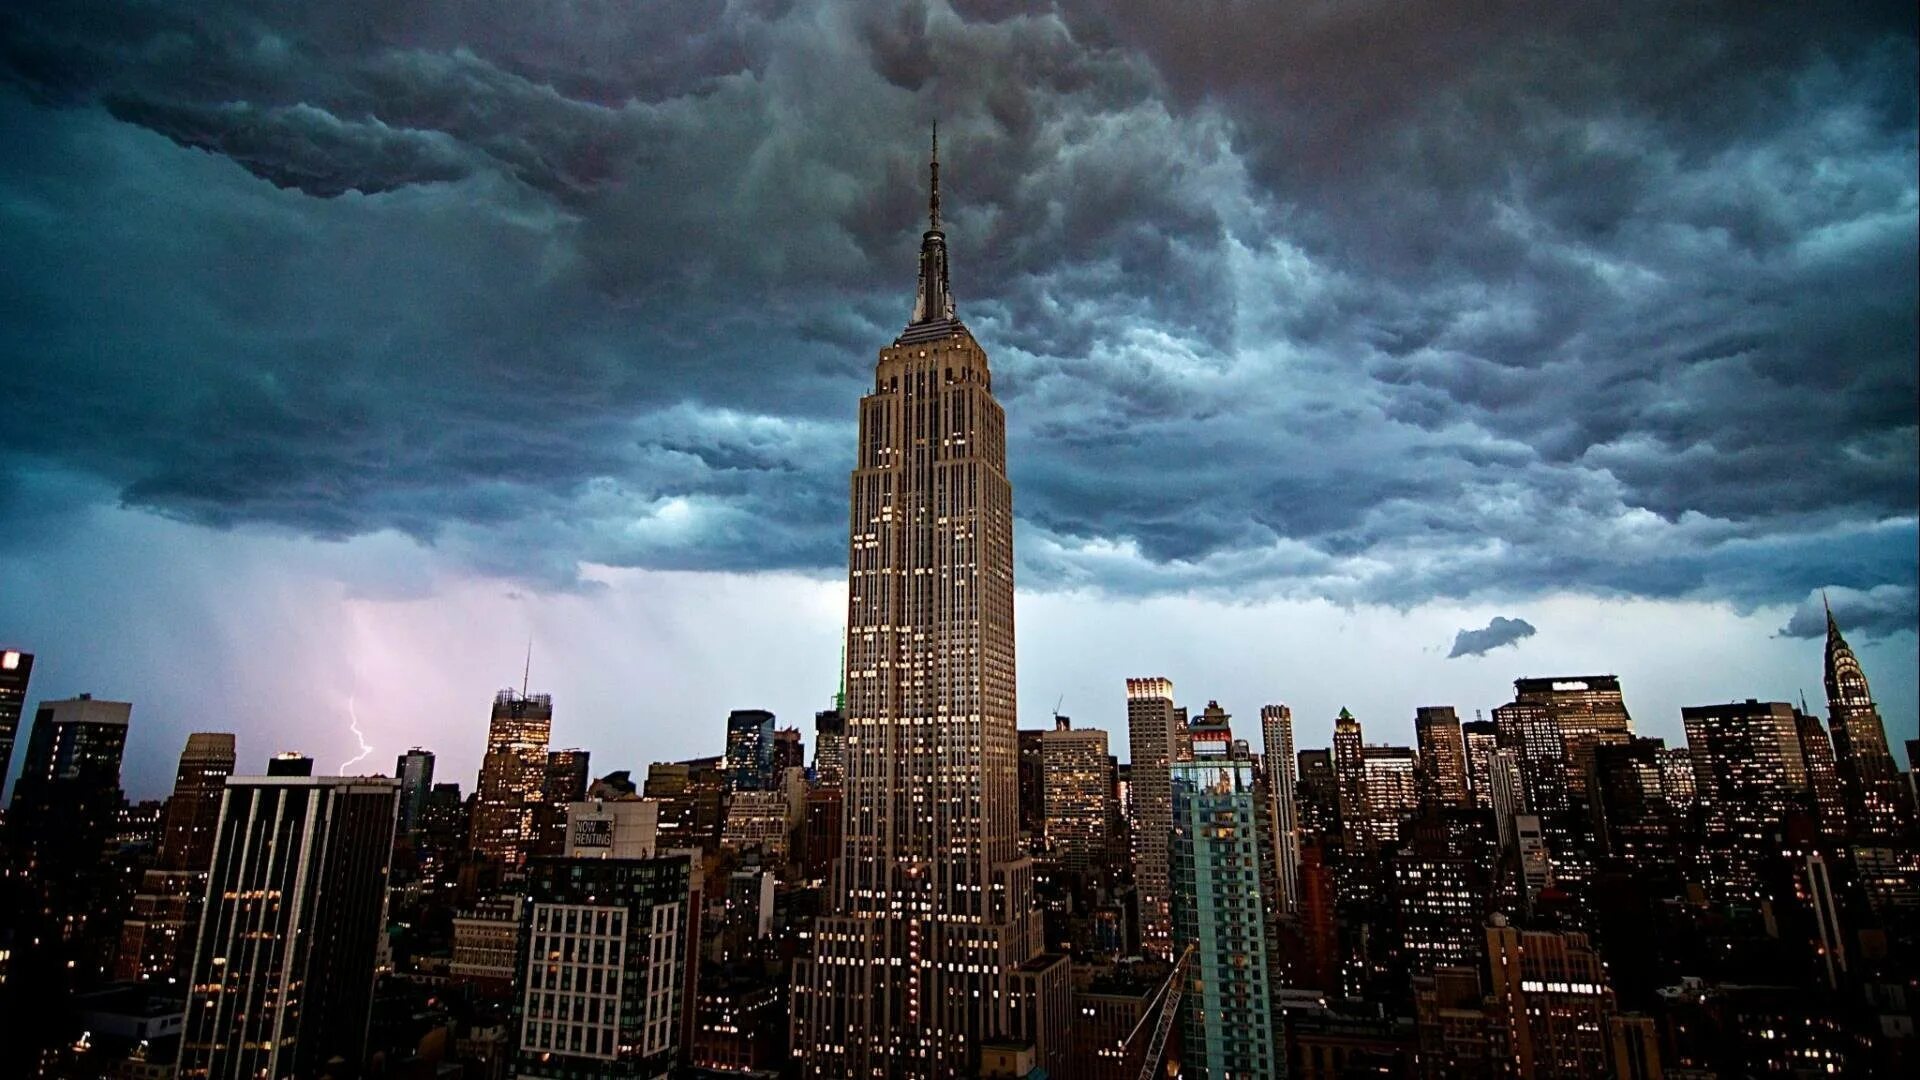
933 199
526 675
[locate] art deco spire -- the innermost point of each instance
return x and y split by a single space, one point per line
933 302
1846 683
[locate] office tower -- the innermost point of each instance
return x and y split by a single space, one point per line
1218 853
1552 994
1534 857
1152 744
16 670
767 819
603 976
1076 795
1441 897
1631 815
1508 792
414 770
1443 756
444 825
167 907
830 747
289 763
1533 733
789 751
1481 739
563 783
1032 799
1676 778
512 775
1877 806
1748 774
1390 792
284 957
931 909
1823 776
1589 711
1277 756
749 749
1318 795
822 835
1349 774
694 798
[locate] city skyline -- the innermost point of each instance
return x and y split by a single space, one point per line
352 392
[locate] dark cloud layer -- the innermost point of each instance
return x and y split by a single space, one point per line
1862 614
1359 300
1500 631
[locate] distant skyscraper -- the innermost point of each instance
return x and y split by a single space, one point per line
1219 844
1877 806
789 750
1277 756
564 783
1508 792
930 914
414 770
1676 778
830 747
1632 817
1350 774
1481 739
63 805
1077 793
16 669
1552 992
1589 711
1443 756
512 776
1748 773
1532 731
1152 743
1318 795
290 763
1823 776
1391 790
284 956
749 749
167 907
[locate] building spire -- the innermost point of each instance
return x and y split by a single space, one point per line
526 674
933 198
933 301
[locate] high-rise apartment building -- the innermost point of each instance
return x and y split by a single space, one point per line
16 670
414 770
512 776
1350 778
1076 788
749 749
1877 800
1443 756
1480 739
167 907
603 975
1279 763
931 911
1218 855
1152 742
284 956
1589 711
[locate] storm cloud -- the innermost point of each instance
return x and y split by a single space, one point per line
1357 301
1500 631
1862 615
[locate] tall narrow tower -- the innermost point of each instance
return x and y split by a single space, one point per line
1877 807
931 906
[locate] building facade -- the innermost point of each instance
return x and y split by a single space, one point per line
1878 806
512 776
1152 740
1279 763
1076 795
1443 756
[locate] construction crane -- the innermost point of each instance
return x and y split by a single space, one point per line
1169 992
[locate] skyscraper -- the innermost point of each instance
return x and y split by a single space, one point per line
1152 742
1531 731
414 770
16 669
512 775
1748 773
1076 795
1217 853
1823 775
283 967
1481 739
1391 792
1877 806
1443 756
931 907
830 746
1350 775
1552 993
167 907
563 783
749 749
1277 754
1589 711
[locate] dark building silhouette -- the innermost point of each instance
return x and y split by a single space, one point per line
16 670
156 938
749 750
1443 756
414 770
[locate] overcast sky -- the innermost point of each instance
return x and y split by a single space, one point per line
1355 353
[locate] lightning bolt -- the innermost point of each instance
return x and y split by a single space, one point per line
357 734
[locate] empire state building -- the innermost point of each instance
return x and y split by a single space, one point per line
929 943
